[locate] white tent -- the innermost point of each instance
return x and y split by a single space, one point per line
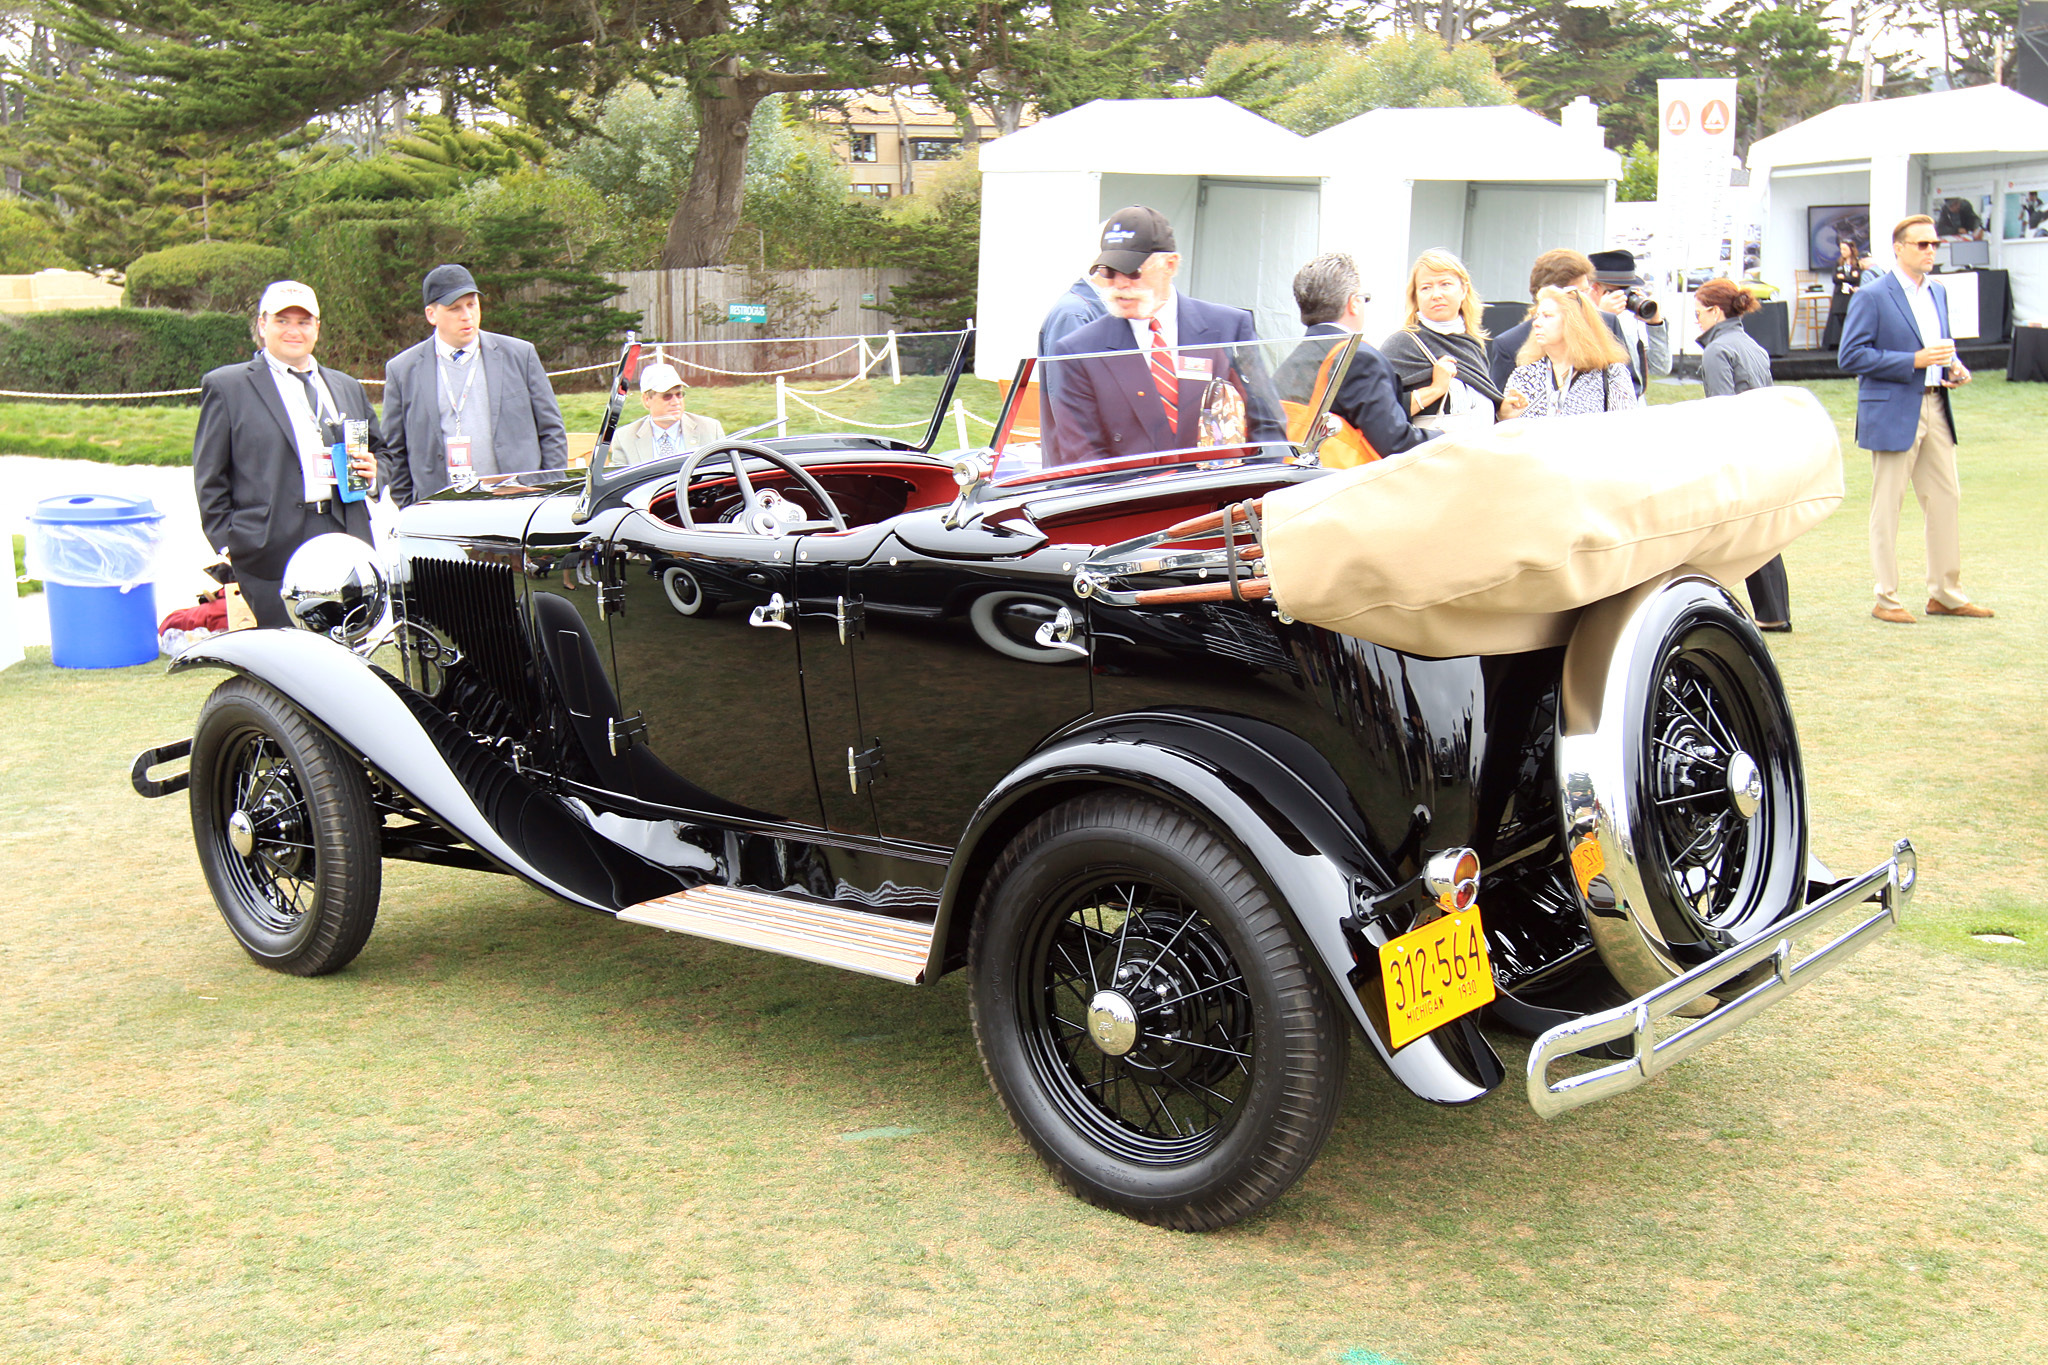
1243 195
1497 185
1984 143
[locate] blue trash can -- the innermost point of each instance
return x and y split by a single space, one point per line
96 556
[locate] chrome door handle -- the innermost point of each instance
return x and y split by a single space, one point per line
774 615
1058 633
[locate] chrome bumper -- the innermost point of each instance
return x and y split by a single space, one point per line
1890 883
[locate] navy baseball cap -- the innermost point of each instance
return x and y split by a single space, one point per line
1132 234
447 283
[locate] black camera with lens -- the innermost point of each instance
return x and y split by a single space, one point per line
1642 305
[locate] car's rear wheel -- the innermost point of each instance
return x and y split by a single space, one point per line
286 832
1147 1018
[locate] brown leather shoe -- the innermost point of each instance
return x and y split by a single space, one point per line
1969 609
1898 616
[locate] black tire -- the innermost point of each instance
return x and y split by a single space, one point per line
1236 1071
303 897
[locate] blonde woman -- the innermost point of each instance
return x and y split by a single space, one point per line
1571 364
1439 355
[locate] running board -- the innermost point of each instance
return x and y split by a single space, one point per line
814 931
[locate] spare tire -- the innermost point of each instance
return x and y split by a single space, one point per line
1682 795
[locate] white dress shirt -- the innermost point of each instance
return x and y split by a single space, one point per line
1169 324
1920 298
316 463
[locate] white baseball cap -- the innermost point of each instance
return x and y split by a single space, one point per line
660 377
283 294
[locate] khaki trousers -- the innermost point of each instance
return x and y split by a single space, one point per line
1930 466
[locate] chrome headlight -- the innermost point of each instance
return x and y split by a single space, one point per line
335 587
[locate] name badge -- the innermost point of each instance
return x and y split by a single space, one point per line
459 465
1196 367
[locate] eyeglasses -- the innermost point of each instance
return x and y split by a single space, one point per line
1928 242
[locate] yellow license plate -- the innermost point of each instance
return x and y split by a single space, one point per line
1434 974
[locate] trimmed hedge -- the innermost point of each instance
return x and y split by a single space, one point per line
118 350
206 277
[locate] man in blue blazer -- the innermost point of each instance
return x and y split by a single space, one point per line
1328 293
1114 405
465 402
1896 342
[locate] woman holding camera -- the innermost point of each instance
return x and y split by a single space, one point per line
1848 279
1571 364
1439 355
1731 361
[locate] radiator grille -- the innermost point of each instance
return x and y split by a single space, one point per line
477 607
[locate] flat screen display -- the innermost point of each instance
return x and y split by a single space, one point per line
1827 225
1969 253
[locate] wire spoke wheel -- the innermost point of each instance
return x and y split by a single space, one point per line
1147 1017
285 831
1126 956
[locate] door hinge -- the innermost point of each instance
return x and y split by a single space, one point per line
852 618
867 761
623 732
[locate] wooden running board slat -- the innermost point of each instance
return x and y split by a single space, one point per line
810 930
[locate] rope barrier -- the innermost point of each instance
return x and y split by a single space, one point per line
98 397
765 374
866 426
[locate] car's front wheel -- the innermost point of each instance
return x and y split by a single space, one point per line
1148 1019
286 831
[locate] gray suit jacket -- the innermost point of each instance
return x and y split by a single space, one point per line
526 423
635 441
245 468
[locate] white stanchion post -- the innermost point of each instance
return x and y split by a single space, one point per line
960 422
895 362
781 406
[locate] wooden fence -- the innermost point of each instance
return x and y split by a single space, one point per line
691 306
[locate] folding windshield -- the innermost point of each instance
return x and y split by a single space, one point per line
891 386
1201 403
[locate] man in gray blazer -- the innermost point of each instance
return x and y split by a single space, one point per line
261 457
465 403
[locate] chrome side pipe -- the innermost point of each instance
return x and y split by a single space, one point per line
1890 884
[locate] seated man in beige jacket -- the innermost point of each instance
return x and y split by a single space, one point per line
666 429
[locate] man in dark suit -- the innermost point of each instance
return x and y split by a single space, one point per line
1327 292
1152 398
1561 268
261 460
1072 311
466 403
1896 343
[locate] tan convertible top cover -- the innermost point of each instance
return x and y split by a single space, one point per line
1490 543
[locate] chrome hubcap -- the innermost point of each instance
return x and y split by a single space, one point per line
1745 784
1112 1023
242 833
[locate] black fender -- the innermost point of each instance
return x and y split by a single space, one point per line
1285 818
399 735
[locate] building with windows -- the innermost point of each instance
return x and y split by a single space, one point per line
891 141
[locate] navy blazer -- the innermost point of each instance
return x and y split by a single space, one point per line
1368 397
1878 342
1108 406
246 471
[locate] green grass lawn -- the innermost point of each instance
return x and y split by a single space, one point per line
117 433
517 1131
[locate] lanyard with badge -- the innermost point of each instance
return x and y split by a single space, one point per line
461 465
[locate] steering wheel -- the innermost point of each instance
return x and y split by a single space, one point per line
755 510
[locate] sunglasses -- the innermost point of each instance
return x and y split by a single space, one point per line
1113 275
1923 242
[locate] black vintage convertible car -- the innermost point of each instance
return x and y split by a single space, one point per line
1038 718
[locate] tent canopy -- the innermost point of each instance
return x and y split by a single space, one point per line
1981 119
1207 136
1494 142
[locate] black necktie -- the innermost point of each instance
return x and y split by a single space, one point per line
305 377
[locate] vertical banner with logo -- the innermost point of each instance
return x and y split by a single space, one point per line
1695 142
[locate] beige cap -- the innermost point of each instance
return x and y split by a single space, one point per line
283 294
660 376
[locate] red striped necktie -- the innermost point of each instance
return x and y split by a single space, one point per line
1163 376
